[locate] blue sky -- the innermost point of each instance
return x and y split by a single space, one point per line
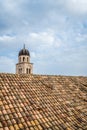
54 31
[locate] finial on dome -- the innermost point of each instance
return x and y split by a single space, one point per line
24 46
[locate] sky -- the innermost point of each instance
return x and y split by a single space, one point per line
54 32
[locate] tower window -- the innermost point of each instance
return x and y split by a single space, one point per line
23 58
27 71
27 59
20 59
20 70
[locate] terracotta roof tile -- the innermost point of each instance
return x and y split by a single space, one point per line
36 102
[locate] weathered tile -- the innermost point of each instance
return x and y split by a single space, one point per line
42 102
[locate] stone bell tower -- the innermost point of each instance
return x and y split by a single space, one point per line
24 66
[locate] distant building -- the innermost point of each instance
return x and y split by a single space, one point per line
24 66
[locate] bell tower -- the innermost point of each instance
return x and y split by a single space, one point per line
24 66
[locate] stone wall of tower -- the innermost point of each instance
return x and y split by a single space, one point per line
24 68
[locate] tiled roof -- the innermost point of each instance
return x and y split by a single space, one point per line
35 102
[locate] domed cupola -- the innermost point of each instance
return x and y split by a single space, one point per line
24 52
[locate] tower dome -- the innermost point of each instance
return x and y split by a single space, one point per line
24 52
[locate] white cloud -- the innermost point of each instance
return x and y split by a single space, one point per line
81 38
44 40
77 6
44 37
11 5
6 38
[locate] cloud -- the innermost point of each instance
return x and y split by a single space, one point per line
73 7
44 40
54 31
41 39
80 38
6 38
77 6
